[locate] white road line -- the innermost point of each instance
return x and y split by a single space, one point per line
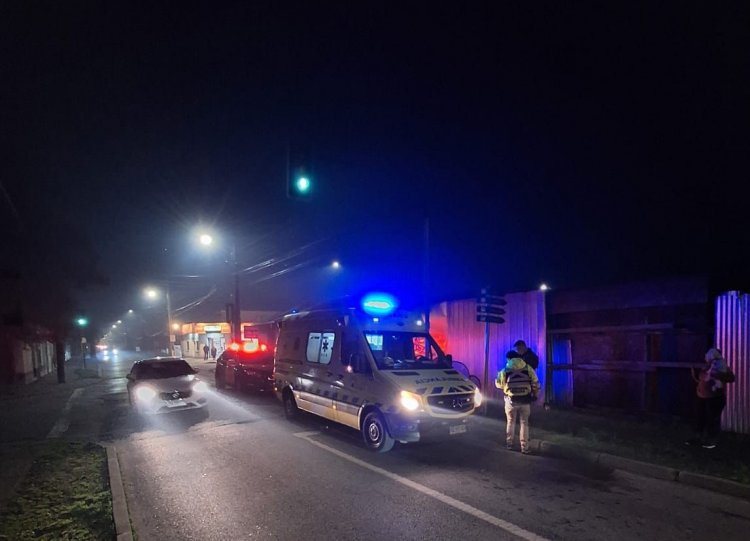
63 423
456 504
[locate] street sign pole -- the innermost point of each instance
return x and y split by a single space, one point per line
489 310
486 363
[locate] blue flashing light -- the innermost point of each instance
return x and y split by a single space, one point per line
379 304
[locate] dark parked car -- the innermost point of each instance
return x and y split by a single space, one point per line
246 367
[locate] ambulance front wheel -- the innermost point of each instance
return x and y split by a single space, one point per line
375 433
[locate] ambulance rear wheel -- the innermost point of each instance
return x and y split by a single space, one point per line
290 405
375 433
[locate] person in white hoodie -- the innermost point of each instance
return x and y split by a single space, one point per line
711 390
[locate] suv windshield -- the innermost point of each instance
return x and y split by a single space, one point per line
394 350
163 369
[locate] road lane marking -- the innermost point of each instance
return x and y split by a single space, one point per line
63 423
456 504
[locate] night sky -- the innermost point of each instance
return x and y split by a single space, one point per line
576 145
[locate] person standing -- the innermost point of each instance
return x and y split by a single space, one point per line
520 385
528 356
213 352
205 352
711 383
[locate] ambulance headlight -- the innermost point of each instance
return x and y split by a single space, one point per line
477 398
410 401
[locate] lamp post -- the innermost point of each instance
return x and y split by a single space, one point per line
207 240
152 293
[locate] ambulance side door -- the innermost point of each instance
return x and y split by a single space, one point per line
354 377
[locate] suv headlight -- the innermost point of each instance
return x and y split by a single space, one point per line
410 401
477 398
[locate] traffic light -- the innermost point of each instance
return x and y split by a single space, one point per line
489 308
300 180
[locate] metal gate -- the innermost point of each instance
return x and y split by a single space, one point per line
733 339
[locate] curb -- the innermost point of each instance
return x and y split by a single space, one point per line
646 469
119 503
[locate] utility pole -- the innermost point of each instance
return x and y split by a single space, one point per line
170 342
60 357
236 312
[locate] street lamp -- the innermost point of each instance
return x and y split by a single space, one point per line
205 239
336 265
130 311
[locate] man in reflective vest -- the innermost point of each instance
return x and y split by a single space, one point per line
520 385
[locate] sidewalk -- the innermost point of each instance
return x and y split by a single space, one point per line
28 414
646 445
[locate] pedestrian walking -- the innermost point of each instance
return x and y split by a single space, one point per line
213 352
526 354
205 352
520 385
711 381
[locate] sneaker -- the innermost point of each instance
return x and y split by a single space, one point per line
709 445
509 446
525 451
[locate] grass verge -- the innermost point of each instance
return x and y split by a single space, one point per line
65 496
659 441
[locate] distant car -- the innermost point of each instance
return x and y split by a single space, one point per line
247 367
165 384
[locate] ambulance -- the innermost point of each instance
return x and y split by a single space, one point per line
382 375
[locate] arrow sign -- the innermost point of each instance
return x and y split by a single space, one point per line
490 319
485 309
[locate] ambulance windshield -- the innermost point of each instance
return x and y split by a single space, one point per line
394 350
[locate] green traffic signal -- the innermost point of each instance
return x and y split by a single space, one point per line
82 321
302 185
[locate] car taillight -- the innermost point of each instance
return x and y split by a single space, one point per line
234 346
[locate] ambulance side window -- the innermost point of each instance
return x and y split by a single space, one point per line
313 346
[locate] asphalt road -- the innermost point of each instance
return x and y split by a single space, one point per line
240 470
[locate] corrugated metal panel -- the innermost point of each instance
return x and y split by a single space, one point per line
733 339
524 320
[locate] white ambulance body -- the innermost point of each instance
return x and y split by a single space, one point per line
384 376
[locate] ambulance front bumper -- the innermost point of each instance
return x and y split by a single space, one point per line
410 429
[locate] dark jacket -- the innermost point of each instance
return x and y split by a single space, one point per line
531 359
